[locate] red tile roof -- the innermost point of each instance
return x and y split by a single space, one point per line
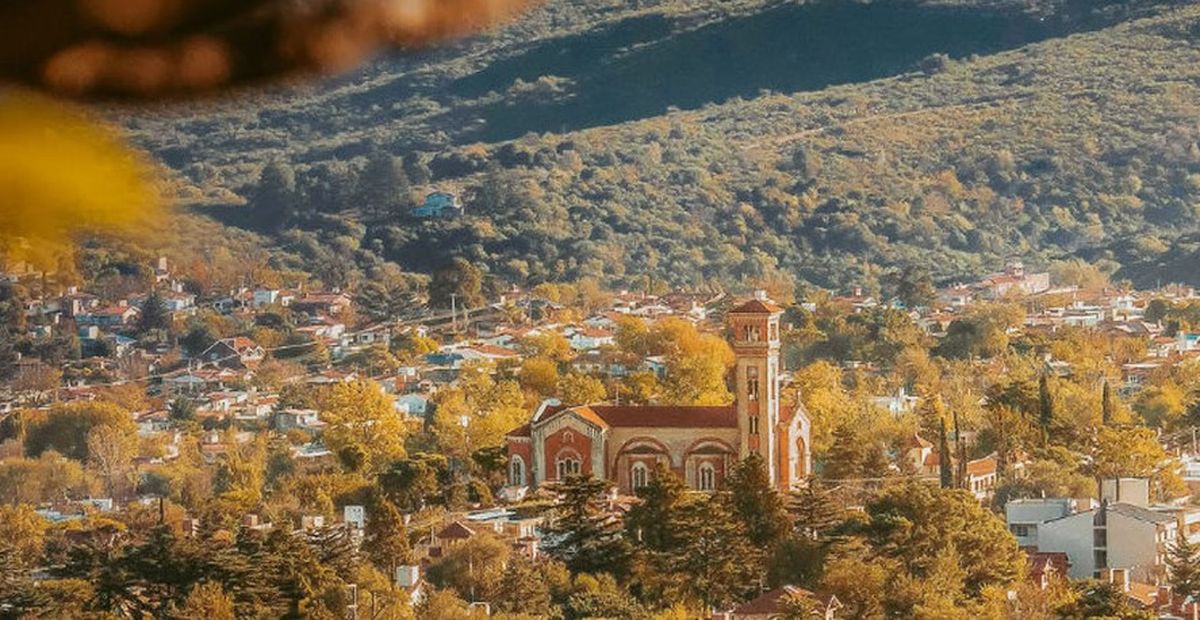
769 602
455 531
655 416
982 467
1056 562
917 441
757 306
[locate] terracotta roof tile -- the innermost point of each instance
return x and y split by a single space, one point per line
656 416
456 531
769 602
757 306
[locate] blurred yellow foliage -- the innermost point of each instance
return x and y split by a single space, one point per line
62 174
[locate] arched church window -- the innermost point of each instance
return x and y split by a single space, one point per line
706 477
801 472
568 437
638 475
752 382
516 472
568 466
753 424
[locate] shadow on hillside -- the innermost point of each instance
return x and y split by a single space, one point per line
637 69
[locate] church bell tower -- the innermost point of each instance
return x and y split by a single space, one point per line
755 326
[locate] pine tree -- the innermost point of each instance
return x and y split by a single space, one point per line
521 589
714 564
1107 406
1183 563
208 601
585 535
652 522
1045 405
756 503
154 314
333 548
385 538
814 510
944 466
383 188
845 457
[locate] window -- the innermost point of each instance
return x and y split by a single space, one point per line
1100 537
516 472
1020 530
753 425
752 382
751 333
637 475
567 467
774 331
706 477
568 437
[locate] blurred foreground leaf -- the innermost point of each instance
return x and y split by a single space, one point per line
62 174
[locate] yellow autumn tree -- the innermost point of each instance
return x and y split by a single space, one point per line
539 376
477 411
1136 453
696 363
360 416
829 405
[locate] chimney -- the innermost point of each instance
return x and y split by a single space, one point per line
1162 598
1120 578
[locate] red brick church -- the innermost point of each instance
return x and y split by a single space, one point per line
623 443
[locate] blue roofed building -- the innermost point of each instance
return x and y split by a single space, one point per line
439 205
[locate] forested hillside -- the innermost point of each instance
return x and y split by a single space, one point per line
623 141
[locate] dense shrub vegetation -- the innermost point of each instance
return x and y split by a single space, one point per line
1081 145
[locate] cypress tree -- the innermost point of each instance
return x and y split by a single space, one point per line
1107 406
1045 405
961 452
946 473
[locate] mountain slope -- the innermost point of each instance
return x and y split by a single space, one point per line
1084 145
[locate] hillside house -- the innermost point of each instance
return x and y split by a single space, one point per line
116 315
439 205
236 352
1122 532
1013 280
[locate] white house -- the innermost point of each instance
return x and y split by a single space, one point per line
1123 534
1023 516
